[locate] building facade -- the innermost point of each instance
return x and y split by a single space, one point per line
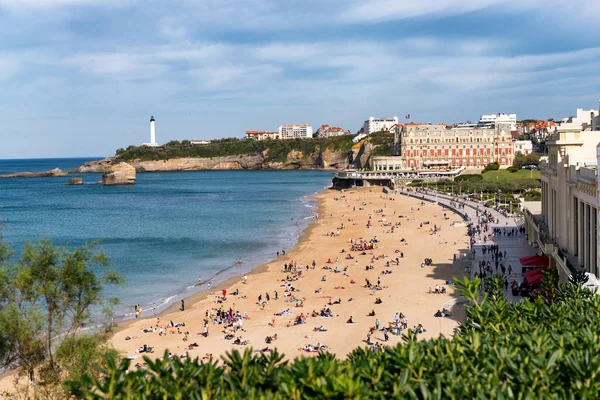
376 124
492 119
326 131
262 135
302 131
523 146
570 200
583 120
442 146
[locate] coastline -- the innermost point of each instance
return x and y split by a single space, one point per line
202 294
405 290
267 278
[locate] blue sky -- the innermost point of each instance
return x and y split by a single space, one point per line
82 77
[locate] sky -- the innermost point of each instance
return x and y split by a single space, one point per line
81 78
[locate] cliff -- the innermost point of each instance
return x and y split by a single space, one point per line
229 154
119 174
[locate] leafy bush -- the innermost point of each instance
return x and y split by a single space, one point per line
495 166
45 295
540 349
468 177
532 195
512 169
529 159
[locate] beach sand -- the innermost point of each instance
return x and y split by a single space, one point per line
405 290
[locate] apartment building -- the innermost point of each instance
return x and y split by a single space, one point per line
376 124
262 135
302 131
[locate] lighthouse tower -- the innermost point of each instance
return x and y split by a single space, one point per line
152 133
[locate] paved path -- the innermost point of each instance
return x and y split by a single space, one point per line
516 247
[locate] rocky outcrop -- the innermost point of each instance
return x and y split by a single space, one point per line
197 164
75 181
96 166
119 174
56 172
319 159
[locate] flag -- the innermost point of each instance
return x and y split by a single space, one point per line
407 116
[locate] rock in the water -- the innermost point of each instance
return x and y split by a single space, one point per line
119 174
56 172
75 181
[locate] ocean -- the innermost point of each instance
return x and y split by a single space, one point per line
167 230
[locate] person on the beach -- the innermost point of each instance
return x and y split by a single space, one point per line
182 305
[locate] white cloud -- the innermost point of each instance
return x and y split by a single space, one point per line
46 4
373 10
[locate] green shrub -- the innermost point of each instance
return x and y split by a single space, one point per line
532 195
512 169
468 178
539 349
495 166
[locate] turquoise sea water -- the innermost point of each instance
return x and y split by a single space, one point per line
169 228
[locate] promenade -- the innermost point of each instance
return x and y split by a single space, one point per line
516 247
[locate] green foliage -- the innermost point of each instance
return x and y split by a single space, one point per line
512 169
529 350
275 150
532 195
521 160
495 166
468 178
46 295
382 142
504 174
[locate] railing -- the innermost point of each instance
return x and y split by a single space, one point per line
566 261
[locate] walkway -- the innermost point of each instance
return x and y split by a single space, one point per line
516 247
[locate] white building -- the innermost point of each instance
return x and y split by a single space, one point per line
262 135
492 119
376 124
567 228
302 131
203 141
152 133
523 146
584 119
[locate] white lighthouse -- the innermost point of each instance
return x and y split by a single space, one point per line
152 133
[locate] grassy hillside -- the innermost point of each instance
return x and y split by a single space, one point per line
504 175
277 149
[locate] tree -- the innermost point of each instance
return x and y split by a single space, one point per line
48 294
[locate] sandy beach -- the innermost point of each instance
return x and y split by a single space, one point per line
405 290
397 227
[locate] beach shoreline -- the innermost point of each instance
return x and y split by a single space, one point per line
404 290
309 247
203 294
